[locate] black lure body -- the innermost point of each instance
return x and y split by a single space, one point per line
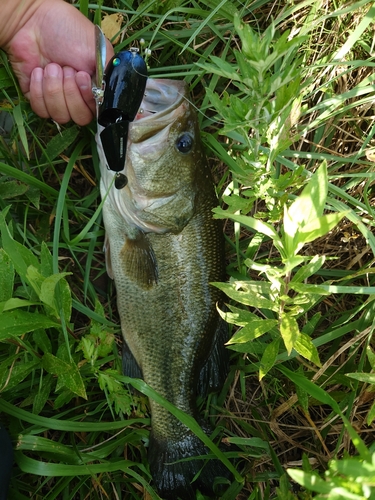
124 80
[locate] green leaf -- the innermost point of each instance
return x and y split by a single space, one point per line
371 414
45 261
42 468
63 398
17 322
289 330
290 229
355 468
68 425
47 291
253 330
250 43
303 398
41 397
35 279
68 373
237 316
18 118
304 220
304 346
5 79
33 194
42 340
269 358
255 224
226 9
318 227
370 357
312 389
6 276
65 300
59 143
308 289
28 442
89 350
369 378
222 68
20 256
310 481
15 303
309 269
245 296
328 289
118 394
310 204
11 189
253 442
11 379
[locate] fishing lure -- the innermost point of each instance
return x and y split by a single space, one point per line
119 97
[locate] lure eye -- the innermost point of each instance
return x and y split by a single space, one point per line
184 143
116 61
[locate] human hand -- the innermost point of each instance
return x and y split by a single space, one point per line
53 56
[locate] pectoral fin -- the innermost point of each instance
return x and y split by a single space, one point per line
139 261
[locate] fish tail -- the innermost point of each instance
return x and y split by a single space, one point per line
173 476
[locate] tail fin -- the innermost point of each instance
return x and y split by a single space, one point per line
173 477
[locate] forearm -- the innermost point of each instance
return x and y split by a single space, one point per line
14 15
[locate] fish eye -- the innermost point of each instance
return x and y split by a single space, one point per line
184 143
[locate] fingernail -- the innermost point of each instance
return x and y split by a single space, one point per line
37 74
83 80
69 72
52 70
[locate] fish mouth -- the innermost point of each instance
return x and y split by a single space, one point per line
161 98
164 102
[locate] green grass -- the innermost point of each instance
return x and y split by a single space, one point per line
298 101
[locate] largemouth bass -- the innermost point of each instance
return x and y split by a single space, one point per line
163 248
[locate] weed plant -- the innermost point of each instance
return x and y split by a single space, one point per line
285 97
